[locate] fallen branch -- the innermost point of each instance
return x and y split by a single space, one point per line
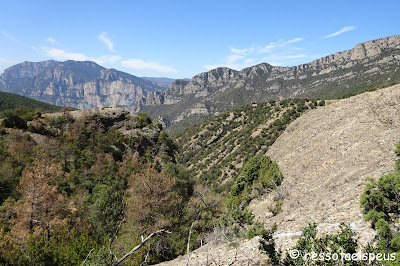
87 256
139 246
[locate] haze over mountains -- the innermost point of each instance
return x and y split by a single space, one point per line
86 85
163 81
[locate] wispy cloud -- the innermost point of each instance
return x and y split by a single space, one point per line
280 52
140 64
278 44
343 30
294 40
242 51
107 41
9 37
51 40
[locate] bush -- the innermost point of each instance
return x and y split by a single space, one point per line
12 120
380 204
143 120
258 175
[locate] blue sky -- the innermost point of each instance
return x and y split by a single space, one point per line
179 39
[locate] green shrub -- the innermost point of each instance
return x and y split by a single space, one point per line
380 203
257 175
12 120
143 120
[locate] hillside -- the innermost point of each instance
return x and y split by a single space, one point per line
82 85
325 156
69 180
216 149
11 101
365 66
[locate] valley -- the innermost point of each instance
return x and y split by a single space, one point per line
100 167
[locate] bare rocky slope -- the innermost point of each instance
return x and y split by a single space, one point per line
210 93
325 156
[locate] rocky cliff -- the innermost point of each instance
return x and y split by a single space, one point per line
83 85
366 65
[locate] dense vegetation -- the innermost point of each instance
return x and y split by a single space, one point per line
90 187
217 149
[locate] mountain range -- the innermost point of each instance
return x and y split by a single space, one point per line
86 85
82 85
367 65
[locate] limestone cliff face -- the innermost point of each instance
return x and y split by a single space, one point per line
366 65
83 85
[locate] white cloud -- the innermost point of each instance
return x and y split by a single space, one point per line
107 41
139 64
62 55
3 60
279 51
51 40
107 59
343 30
142 65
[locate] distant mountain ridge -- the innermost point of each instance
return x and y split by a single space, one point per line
83 85
86 85
366 65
